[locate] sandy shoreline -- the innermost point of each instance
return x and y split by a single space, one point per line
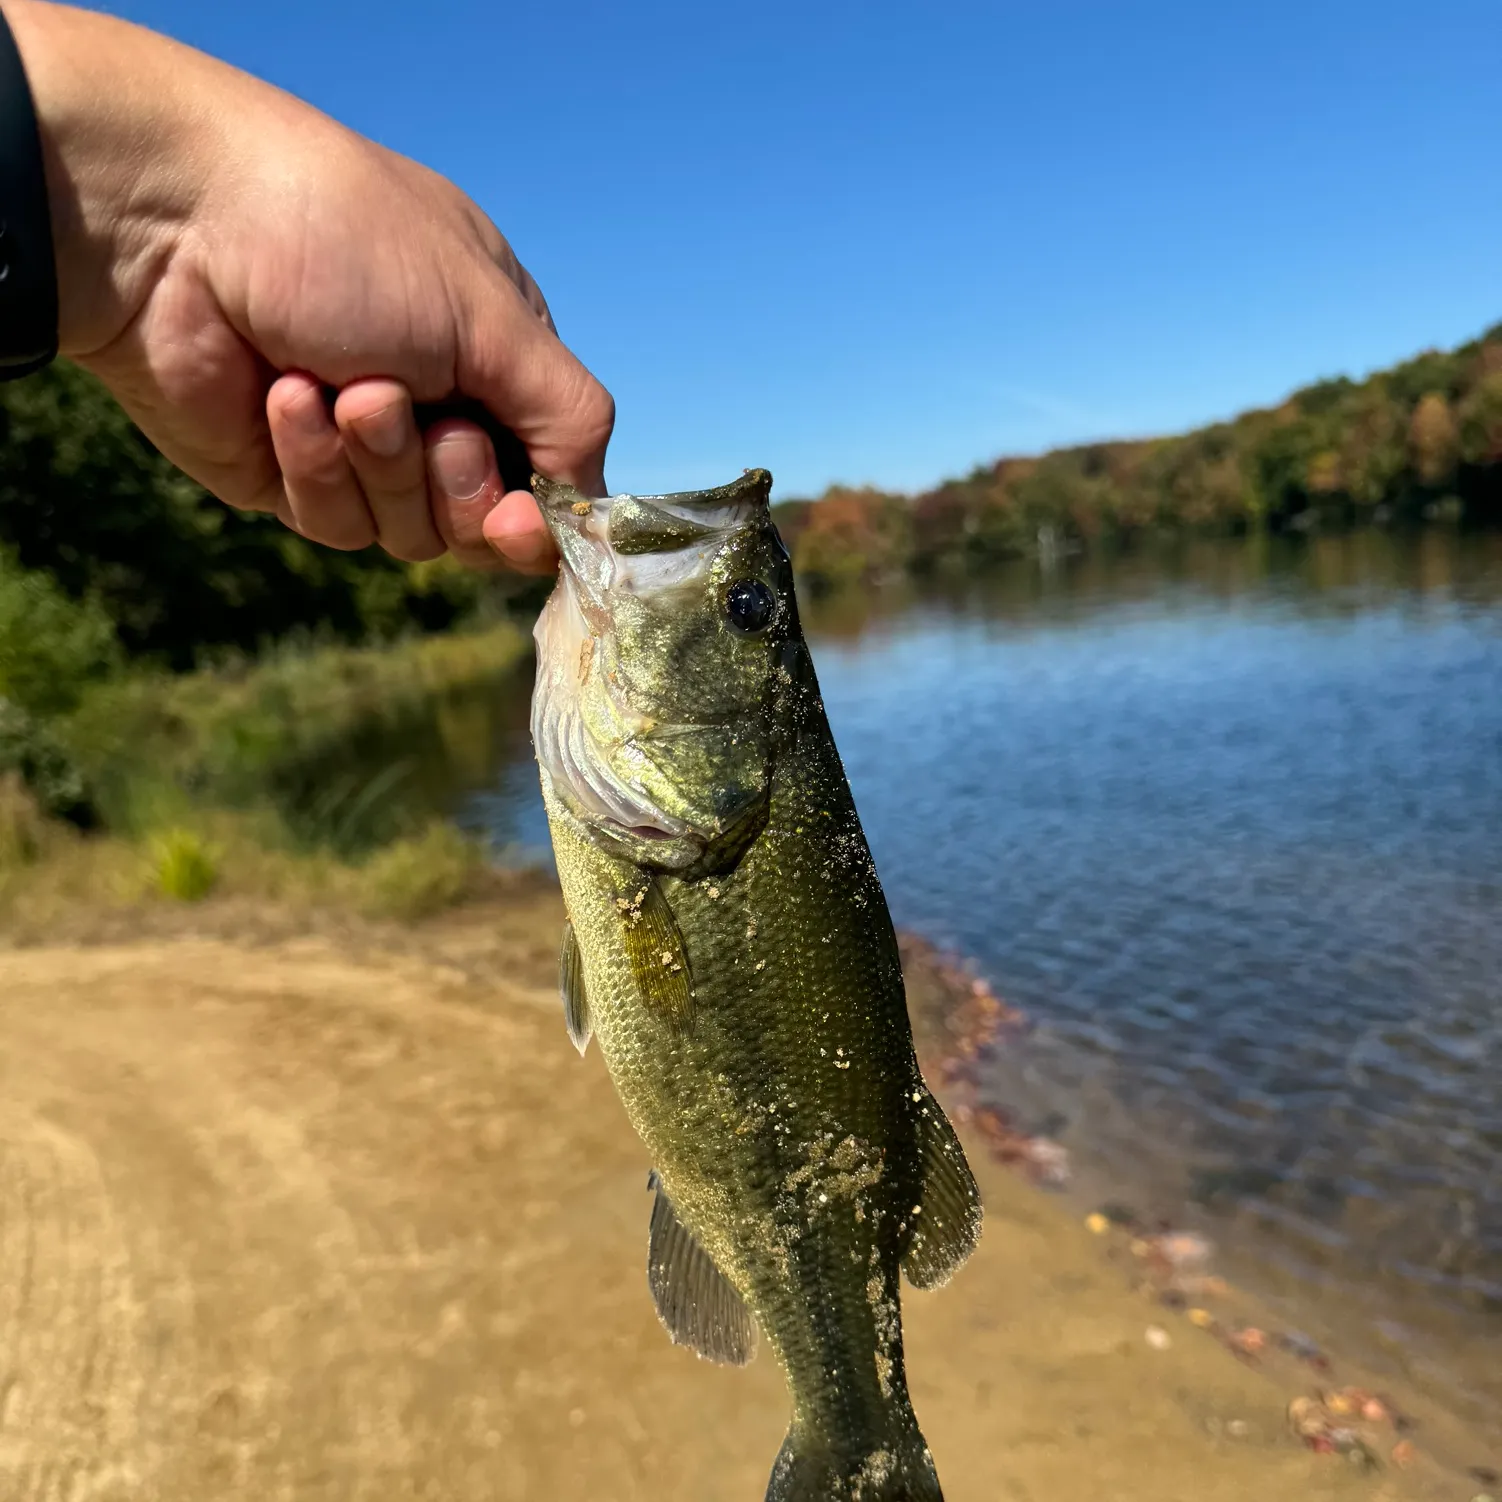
304 1208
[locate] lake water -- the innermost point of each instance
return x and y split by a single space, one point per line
1227 822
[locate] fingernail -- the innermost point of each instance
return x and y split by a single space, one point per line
460 466
384 432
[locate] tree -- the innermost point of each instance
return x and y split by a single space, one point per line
1433 439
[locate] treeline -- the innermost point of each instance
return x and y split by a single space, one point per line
87 502
1418 443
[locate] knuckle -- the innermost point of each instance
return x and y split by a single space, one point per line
597 412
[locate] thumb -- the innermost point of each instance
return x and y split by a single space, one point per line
513 363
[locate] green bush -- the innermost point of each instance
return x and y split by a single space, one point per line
22 827
416 877
51 647
184 866
32 752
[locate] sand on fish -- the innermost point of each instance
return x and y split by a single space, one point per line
304 1208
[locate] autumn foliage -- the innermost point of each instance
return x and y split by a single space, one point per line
1409 445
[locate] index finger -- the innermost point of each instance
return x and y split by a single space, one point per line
533 385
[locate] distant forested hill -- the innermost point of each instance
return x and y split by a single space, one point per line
1418 443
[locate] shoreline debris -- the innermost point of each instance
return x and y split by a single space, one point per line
971 1021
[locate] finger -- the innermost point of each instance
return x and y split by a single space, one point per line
466 487
522 372
385 450
323 494
465 483
514 528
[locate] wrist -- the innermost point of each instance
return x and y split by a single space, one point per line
119 144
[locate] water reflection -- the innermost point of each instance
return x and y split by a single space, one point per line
395 774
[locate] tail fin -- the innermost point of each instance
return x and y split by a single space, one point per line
900 1470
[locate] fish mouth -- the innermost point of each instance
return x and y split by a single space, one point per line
597 759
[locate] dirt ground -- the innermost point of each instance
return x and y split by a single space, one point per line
318 1213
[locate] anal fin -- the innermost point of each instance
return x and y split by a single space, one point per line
571 989
655 950
694 1298
944 1231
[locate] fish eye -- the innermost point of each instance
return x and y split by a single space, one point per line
750 605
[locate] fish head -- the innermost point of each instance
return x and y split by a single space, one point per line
663 654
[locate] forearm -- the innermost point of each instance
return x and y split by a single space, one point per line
124 125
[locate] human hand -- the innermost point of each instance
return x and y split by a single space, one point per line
228 255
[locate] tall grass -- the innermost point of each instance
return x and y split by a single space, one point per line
152 747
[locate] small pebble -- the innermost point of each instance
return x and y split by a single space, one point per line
1157 1337
1250 1340
1307 1418
1238 1429
1374 1411
1403 1453
1097 1223
1183 1248
1201 1317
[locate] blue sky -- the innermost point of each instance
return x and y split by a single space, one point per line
884 242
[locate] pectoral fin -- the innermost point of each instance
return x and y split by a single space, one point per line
571 988
694 1298
654 949
947 1224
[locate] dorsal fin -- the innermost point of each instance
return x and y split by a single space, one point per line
694 1299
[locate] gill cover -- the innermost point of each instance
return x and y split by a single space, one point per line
661 655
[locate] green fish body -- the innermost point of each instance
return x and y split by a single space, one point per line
729 948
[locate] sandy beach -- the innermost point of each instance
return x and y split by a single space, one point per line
301 1207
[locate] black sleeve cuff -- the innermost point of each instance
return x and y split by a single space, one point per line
28 272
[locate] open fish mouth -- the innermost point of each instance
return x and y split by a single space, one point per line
611 764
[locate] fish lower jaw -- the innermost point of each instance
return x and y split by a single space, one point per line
647 845
638 831
642 843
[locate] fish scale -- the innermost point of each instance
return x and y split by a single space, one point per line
740 973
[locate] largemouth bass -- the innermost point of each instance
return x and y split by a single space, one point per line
729 947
